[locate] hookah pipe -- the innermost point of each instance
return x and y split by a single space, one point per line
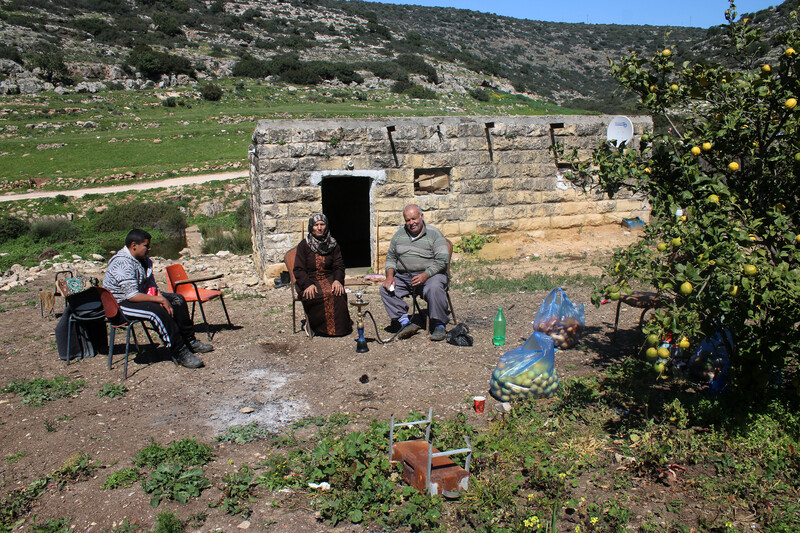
361 342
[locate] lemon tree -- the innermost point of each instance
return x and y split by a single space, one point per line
722 244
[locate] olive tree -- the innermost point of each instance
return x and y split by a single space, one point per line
722 246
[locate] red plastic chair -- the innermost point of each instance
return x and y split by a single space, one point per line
178 282
117 320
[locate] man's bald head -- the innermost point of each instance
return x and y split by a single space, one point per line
412 215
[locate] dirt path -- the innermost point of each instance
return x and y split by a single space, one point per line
141 186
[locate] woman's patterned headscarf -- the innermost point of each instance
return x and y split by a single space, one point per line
320 245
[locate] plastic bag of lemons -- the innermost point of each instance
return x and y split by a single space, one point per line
527 371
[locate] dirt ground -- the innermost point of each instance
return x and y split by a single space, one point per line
280 376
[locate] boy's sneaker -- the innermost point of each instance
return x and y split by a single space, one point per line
439 333
408 330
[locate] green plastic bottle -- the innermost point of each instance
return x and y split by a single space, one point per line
499 338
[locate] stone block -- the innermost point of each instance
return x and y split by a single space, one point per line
502 184
559 196
574 208
467 227
533 224
274 270
564 222
488 227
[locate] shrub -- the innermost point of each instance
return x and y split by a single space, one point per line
480 94
401 86
418 91
417 65
12 227
154 64
169 101
237 242
8 51
251 67
159 215
211 92
54 230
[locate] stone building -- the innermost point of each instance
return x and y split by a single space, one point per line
489 175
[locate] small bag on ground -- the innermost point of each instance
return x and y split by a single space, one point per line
459 335
560 318
527 371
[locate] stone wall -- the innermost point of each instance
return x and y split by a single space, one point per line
488 175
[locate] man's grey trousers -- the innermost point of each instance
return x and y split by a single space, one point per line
432 292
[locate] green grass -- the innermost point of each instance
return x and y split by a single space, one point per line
36 392
532 281
109 390
195 134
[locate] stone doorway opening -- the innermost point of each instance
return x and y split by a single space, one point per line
346 203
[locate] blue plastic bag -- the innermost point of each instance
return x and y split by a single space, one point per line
560 318
527 371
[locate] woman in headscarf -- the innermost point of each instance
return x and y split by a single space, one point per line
319 272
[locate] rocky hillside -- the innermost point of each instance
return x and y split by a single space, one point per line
91 45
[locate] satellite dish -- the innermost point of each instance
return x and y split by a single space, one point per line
620 130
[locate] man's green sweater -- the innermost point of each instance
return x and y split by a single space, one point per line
428 252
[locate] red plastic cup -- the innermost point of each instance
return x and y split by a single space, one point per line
151 291
479 402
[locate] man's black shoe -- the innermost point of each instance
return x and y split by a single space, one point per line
408 330
199 347
185 358
439 333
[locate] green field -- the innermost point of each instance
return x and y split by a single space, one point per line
45 137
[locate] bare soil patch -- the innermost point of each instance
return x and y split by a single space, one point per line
261 365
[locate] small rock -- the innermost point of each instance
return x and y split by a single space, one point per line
244 525
98 257
76 257
246 410
223 253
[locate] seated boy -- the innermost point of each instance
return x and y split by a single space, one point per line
129 277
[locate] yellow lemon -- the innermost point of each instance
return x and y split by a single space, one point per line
790 103
663 352
652 339
662 246
766 68
684 344
714 199
696 150
666 52
674 87
706 146
734 290
676 242
733 166
750 270
651 354
686 288
648 170
790 51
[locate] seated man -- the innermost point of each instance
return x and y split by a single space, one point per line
129 277
416 262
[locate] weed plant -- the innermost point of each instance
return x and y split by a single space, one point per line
172 481
35 392
243 434
530 282
168 522
473 243
52 525
109 390
125 477
236 492
183 452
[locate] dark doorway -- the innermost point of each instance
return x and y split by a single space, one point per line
345 201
